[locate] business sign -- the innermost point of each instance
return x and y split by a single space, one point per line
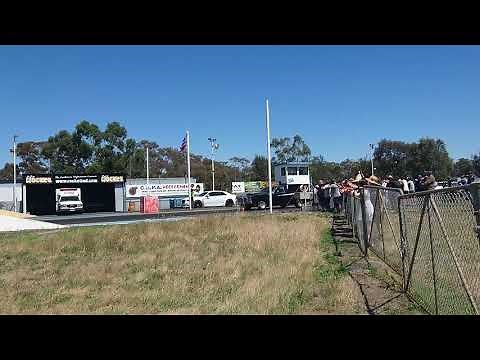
138 190
38 179
238 187
73 179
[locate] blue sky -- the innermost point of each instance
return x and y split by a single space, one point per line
339 98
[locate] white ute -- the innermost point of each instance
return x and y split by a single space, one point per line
68 200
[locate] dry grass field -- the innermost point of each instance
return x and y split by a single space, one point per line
246 264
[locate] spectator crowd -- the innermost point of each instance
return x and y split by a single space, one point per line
328 195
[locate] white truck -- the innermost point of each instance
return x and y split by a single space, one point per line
68 200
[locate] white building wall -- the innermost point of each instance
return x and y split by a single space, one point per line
6 192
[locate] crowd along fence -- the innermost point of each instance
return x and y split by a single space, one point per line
431 239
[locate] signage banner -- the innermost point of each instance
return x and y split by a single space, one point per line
73 179
137 190
238 187
250 186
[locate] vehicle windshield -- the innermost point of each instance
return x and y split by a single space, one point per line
203 193
69 198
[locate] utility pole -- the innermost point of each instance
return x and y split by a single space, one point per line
214 147
371 155
15 172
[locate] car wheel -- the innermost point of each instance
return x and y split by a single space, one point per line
197 204
262 205
247 207
229 203
297 204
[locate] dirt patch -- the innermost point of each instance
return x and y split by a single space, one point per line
377 284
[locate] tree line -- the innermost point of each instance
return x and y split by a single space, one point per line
88 149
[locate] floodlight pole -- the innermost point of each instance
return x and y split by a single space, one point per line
269 158
214 146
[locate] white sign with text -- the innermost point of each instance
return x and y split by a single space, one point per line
161 189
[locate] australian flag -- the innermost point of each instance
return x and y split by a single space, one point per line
183 147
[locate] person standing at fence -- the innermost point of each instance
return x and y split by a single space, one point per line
411 185
322 196
428 182
405 187
369 208
335 197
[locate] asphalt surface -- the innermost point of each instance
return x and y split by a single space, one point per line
106 218
124 217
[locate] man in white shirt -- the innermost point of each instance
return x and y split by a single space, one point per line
411 185
405 186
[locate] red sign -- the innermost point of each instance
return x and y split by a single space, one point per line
149 204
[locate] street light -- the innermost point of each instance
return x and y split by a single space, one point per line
214 147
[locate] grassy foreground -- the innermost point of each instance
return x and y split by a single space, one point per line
219 264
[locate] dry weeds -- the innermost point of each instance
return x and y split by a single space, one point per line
220 265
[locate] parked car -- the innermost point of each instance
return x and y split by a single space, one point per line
280 197
210 199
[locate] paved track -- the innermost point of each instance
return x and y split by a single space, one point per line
123 217
126 217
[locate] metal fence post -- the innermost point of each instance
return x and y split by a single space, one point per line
364 222
433 260
427 198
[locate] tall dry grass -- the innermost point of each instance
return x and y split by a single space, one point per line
237 264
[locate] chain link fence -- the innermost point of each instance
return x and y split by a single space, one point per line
431 238
442 249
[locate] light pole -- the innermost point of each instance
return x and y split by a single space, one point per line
372 146
267 111
14 151
214 147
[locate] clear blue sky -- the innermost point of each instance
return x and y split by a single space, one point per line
339 98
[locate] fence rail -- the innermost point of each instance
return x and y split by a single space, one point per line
430 238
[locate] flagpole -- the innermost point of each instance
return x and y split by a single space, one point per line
188 172
148 190
269 159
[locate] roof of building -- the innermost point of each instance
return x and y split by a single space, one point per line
293 163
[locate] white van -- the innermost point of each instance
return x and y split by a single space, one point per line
69 200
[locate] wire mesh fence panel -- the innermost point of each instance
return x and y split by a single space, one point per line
375 237
359 218
390 225
442 250
353 215
383 224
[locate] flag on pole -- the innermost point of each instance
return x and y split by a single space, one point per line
183 147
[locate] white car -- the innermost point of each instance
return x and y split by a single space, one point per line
211 198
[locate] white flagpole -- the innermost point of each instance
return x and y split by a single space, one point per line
269 160
148 189
188 172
